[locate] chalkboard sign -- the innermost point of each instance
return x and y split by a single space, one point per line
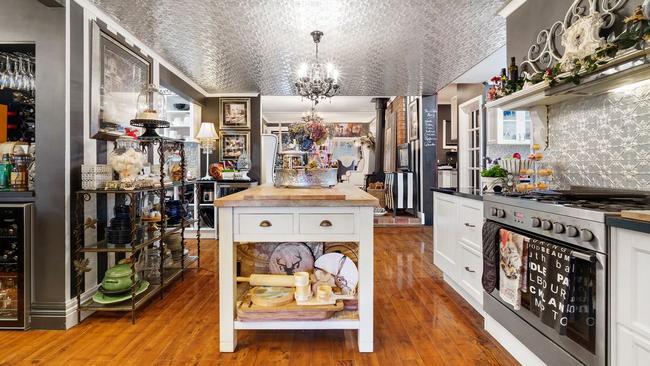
429 124
429 158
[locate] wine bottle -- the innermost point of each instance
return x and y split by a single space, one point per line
513 70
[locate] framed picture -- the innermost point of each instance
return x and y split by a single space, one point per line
118 74
414 121
351 129
235 113
233 144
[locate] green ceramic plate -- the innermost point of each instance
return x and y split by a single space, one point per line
100 298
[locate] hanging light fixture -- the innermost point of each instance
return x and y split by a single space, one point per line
317 81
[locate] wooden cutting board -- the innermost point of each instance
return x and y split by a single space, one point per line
295 194
643 215
246 310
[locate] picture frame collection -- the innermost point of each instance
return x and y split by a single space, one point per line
234 128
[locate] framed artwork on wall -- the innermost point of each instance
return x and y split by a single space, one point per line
350 129
235 113
233 144
414 120
118 75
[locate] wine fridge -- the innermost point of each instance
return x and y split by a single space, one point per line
15 268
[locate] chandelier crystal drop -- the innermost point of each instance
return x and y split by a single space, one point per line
317 81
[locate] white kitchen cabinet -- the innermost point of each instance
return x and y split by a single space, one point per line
630 298
508 127
457 226
445 209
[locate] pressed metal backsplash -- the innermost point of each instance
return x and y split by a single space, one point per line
602 141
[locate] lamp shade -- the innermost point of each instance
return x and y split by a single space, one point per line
207 132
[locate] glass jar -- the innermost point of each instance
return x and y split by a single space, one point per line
152 265
151 104
20 172
127 159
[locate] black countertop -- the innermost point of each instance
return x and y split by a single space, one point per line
629 224
470 193
15 196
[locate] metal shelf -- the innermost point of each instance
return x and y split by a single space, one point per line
140 300
104 247
138 190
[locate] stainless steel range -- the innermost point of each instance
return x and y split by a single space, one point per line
575 220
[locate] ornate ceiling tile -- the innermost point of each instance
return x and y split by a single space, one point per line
392 47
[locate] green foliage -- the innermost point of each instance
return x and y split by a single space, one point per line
494 172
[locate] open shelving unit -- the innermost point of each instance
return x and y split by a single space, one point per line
168 273
623 70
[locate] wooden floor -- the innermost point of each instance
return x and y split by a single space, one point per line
418 321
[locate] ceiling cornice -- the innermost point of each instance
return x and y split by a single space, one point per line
510 8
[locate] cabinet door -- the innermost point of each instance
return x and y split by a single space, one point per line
632 280
470 222
631 350
445 238
630 296
471 270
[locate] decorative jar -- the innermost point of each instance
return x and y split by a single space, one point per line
127 159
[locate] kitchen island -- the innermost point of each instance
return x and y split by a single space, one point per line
268 214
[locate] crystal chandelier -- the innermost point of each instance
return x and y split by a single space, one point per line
317 81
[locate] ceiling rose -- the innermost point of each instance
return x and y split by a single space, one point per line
317 81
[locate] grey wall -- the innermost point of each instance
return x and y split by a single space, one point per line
31 21
210 113
444 113
524 24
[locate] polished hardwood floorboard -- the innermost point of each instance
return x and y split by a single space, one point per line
419 320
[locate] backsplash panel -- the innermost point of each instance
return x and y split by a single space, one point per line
602 141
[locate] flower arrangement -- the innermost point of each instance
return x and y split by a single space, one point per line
311 132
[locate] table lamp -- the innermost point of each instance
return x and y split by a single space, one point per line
207 136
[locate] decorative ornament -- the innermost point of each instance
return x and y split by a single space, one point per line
581 39
317 81
90 223
82 265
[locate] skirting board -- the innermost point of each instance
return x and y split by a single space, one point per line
59 316
471 300
511 344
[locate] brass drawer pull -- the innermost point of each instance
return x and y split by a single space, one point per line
469 270
469 225
265 223
326 223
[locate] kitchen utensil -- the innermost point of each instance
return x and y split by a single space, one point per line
118 278
101 298
271 296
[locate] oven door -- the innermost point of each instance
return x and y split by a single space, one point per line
585 337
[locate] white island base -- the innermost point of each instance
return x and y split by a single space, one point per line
268 214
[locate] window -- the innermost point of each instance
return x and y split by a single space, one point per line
474 149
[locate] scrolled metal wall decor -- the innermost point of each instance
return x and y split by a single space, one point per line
582 20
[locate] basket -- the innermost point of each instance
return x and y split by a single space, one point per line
95 176
379 194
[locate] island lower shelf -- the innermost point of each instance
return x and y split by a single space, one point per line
345 319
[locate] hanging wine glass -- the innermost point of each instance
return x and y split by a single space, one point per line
21 79
13 80
32 77
4 76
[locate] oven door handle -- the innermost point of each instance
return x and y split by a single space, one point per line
583 256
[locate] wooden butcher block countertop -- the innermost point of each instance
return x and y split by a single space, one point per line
342 195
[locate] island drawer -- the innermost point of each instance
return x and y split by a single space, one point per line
266 223
327 223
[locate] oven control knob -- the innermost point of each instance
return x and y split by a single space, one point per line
535 222
572 231
493 211
501 213
586 235
558 228
546 225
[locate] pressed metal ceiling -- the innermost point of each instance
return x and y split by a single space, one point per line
391 47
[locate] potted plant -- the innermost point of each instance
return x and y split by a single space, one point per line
493 177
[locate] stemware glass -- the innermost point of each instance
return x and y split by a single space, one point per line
4 76
31 76
13 76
